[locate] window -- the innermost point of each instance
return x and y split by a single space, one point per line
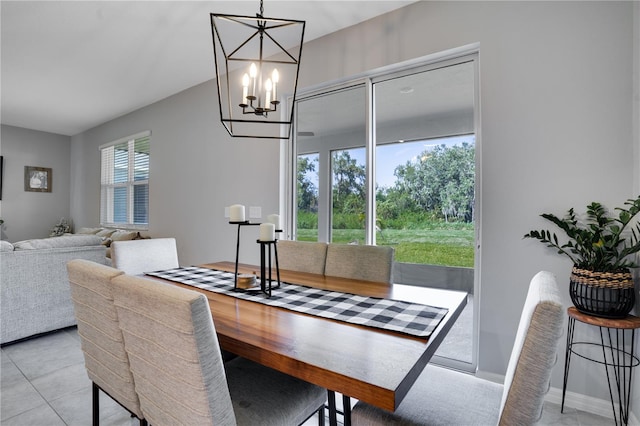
307 196
391 159
402 174
124 182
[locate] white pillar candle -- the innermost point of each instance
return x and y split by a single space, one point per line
236 213
275 77
267 232
253 72
245 89
275 219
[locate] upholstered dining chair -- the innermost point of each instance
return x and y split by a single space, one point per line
101 340
302 256
136 257
178 369
367 263
445 397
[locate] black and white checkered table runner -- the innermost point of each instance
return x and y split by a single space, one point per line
410 318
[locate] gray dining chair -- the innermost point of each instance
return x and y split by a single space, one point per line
367 263
445 397
362 262
302 256
101 340
135 257
178 368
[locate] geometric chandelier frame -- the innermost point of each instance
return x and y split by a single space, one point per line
256 72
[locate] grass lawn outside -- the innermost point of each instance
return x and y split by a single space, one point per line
447 247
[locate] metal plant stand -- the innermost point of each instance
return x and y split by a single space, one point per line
616 335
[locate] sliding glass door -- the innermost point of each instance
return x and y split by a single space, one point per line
391 160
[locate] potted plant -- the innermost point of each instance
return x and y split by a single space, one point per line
601 248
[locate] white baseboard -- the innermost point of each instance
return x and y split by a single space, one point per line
589 404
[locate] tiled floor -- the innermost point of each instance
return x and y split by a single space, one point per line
44 383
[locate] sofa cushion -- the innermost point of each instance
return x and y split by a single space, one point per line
58 242
5 246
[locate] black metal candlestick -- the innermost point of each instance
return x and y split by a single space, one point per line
240 225
266 284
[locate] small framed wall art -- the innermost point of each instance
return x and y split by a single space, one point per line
37 179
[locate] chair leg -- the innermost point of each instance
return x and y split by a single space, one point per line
95 404
143 422
321 416
346 409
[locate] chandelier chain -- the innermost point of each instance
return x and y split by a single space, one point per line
261 9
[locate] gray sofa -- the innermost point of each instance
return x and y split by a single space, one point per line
34 286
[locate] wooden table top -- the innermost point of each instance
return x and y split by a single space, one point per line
368 364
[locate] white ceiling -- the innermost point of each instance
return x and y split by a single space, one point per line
67 66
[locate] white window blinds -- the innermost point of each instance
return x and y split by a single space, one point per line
124 182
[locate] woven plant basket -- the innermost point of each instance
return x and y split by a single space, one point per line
603 294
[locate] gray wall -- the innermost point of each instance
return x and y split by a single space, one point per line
196 170
557 124
33 214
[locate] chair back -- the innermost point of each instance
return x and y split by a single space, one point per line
174 353
367 263
302 256
101 340
534 352
136 257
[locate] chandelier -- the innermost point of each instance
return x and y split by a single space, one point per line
256 72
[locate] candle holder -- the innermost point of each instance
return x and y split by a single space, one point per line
266 281
240 225
266 284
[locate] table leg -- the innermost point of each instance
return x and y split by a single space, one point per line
621 364
567 358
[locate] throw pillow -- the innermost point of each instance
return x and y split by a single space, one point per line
123 235
5 246
106 232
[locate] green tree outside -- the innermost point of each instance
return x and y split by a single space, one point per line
427 215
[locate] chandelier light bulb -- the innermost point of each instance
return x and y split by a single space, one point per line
268 86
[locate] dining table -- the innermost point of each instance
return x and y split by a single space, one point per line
369 364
